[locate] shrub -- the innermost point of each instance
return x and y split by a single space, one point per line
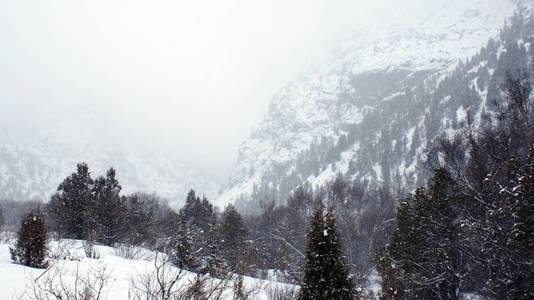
31 246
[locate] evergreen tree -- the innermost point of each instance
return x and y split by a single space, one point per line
326 274
214 264
197 212
441 226
70 206
398 260
31 246
194 243
139 222
84 208
180 247
107 209
423 260
234 234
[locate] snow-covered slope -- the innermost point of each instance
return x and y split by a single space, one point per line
36 157
124 277
351 117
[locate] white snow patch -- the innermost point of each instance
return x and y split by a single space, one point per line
378 171
461 114
409 137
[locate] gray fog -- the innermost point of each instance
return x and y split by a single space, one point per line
190 77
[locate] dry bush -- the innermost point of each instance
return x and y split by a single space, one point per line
167 282
242 292
52 284
88 248
282 292
61 252
161 284
203 287
128 251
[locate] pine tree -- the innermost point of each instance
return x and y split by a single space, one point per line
30 249
139 222
194 243
180 247
197 212
326 274
70 206
402 255
422 259
233 233
440 220
107 209
214 263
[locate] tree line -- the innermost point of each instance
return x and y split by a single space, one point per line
195 238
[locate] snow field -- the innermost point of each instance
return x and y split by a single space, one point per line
123 277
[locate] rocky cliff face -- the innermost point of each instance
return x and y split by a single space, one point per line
371 114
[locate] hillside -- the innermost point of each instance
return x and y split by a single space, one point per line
119 272
371 114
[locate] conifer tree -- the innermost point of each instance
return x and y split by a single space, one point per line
441 226
326 274
234 234
107 209
194 243
70 206
397 261
214 264
197 212
422 259
30 249
180 248
139 222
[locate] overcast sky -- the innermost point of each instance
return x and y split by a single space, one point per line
195 76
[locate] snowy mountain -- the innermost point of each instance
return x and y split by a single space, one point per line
370 114
36 155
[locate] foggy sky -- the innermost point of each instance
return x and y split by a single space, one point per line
191 76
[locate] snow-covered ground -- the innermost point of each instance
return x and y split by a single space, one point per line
124 272
123 277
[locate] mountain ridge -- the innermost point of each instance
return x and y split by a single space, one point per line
346 100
